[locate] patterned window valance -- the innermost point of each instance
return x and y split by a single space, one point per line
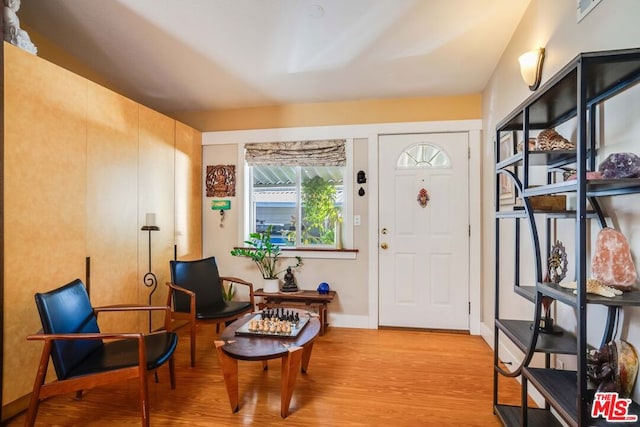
329 152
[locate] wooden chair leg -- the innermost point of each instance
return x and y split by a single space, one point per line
34 402
144 397
172 373
193 343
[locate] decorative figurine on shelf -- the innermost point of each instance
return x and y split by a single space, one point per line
12 31
557 263
323 288
546 322
549 140
289 282
613 368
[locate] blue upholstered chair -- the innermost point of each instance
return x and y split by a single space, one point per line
83 359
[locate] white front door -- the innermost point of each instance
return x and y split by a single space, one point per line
424 249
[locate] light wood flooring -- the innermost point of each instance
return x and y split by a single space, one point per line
356 377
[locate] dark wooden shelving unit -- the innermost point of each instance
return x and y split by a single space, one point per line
574 94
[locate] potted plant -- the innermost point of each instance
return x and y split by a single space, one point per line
266 255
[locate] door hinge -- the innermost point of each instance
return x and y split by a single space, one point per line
468 152
469 230
469 307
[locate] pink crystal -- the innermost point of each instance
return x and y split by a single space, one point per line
590 175
612 263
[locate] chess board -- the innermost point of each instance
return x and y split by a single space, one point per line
272 327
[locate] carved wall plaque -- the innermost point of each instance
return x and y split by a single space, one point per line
221 181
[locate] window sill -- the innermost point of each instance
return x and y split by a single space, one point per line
319 253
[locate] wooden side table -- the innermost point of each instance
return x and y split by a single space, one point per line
302 298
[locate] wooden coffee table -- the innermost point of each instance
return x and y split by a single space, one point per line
295 353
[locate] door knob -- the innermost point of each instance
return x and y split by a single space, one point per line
383 245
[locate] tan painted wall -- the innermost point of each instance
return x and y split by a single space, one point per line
82 167
346 276
337 113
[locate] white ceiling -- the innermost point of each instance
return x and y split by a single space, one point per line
190 55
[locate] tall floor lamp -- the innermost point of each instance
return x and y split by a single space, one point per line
149 279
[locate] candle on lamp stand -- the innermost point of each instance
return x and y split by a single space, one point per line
150 219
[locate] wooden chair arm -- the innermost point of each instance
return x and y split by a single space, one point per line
129 308
240 282
172 286
132 307
86 336
235 280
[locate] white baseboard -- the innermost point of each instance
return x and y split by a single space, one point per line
363 322
507 356
349 321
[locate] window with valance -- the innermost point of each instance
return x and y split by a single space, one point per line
297 190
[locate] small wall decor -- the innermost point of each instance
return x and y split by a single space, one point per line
423 197
221 181
222 206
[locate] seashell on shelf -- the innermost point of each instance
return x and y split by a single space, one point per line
549 140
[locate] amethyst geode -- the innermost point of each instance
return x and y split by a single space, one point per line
620 165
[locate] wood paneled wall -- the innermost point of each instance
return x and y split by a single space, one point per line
112 211
83 165
45 200
188 189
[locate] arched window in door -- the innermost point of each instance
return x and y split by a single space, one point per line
423 155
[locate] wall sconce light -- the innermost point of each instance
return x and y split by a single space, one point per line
531 67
